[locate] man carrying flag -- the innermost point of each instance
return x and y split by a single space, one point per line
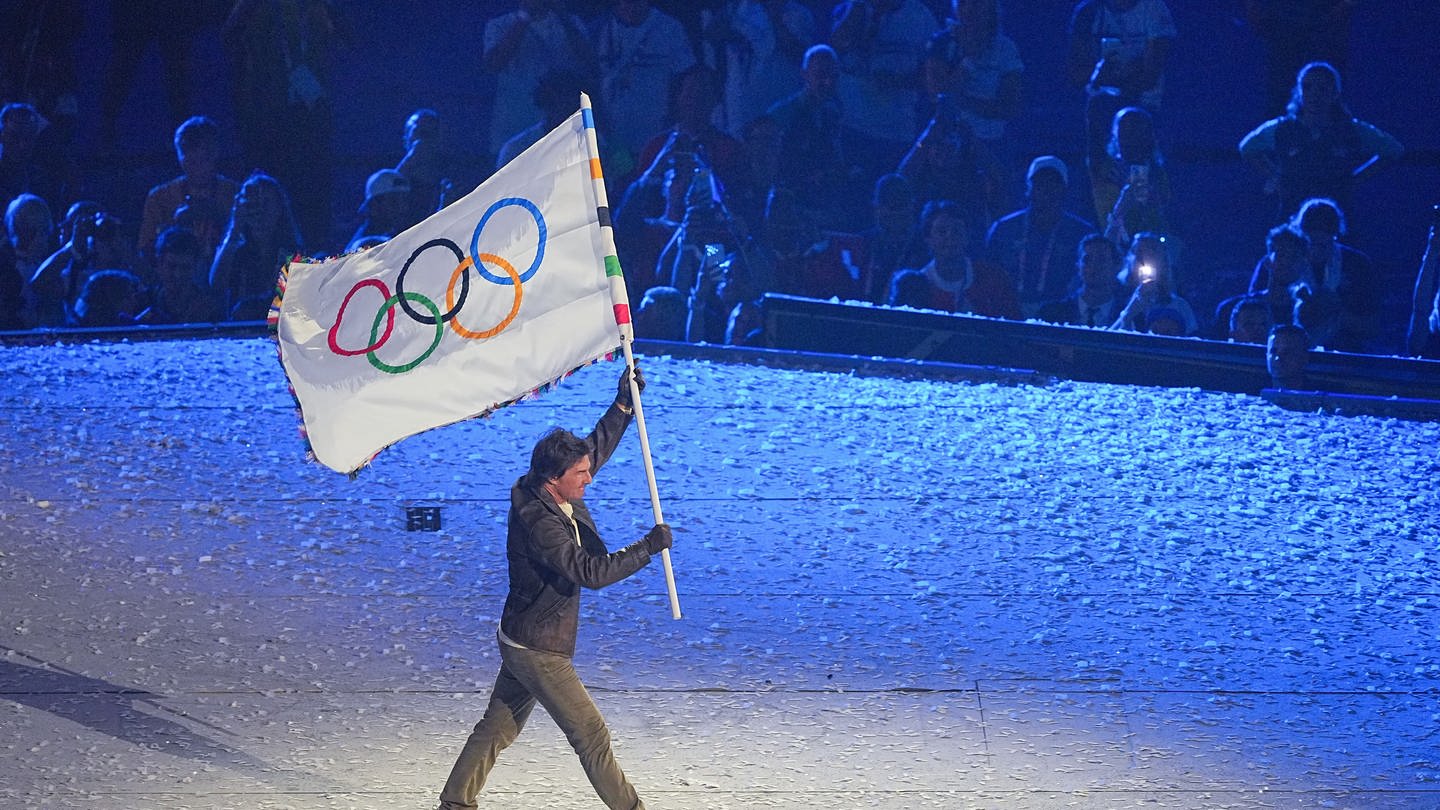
554 550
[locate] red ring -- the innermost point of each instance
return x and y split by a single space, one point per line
339 316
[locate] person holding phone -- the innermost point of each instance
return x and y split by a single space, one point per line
1155 306
1118 53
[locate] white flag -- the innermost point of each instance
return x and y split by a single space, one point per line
497 295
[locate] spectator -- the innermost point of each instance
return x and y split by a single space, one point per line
1118 53
1338 295
771 261
947 163
641 50
1423 338
1131 186
661 314
691 260
880 43
200 187
281 53
520 48
386 209
1317 148
1296 32
30 230
1095 303
426 164
1287 353
763 43
812 156
1154 306
1037 245
96 243
952 281
1275 277
26 165
111 298
182 292
260 236
654 205
1250 320
893 242
978 68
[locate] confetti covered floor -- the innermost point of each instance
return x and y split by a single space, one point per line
898 594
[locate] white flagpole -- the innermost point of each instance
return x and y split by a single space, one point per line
620 298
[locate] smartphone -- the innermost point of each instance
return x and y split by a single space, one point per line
1146 273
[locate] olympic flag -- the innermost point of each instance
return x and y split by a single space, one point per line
500 293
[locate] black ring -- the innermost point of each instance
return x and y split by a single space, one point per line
464 283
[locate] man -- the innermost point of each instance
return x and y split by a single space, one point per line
1095 303
554 550
1037 244
199 186
812 154
386 209
1338 294
1287 353
952 282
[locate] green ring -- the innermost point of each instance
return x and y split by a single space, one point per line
375 333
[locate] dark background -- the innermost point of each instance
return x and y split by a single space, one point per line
401 56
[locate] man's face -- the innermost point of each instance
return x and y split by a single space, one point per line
947 239
1250 325
1098 267
1046 189
1286 357
570 486
1287 262
1322 244
822 76
198 158
175 267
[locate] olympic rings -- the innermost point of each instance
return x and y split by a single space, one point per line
339 316
514 307
454 306
539 239
388 308
459 277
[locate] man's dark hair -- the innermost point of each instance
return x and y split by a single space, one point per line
1249 302
935 209
555 453
1290 329
1111 249
197 130
1286 232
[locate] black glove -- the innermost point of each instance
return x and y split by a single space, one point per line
657 538
623 397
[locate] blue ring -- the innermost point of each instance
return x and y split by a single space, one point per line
480 226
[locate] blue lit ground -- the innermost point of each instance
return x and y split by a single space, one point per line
897 594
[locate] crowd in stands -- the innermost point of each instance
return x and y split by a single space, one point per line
854 150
